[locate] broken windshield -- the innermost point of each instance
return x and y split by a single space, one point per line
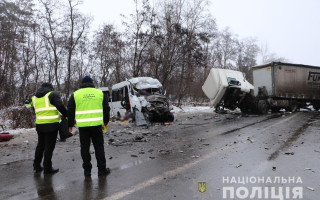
150 91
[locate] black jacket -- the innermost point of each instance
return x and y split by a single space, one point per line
72 107
55 100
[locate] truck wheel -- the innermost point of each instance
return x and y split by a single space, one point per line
169 117
316 106
262 107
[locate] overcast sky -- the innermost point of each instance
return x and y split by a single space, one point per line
290 28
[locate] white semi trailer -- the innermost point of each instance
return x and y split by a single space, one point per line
276 85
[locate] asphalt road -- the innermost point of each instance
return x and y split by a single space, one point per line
170 162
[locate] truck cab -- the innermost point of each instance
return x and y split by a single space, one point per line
226 88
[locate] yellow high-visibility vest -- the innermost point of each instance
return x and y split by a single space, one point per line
46 113
89 109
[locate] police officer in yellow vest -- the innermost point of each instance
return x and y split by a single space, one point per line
47 105
28 102
89 108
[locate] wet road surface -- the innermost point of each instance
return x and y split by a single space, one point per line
174 159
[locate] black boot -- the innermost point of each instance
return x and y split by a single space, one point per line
104 172
51 171
87 173
37 169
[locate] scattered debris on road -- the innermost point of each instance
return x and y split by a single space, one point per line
195 156
163 152
238 165
310 188
139 139
249 140
289 153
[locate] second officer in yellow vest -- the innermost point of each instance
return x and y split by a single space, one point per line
89 108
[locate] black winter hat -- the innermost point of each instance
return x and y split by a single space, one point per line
48 85
87 79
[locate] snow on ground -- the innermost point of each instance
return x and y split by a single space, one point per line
192 109
21 131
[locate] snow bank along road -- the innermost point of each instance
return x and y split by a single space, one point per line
275 155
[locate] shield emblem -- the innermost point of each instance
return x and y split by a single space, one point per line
202 187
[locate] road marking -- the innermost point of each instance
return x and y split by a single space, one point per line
156 179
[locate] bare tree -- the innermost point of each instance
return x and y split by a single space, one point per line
196 17
16 19
51 32
167 39
77 24
108 54
267 57
247 56
228 48
82 61
140 34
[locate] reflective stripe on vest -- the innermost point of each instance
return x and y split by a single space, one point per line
90 119
45 112
89 112
89 109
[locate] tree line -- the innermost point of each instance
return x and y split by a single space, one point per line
176 41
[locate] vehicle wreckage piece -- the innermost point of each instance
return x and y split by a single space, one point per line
140 94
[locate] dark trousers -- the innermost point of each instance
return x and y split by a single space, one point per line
95 134
44 149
